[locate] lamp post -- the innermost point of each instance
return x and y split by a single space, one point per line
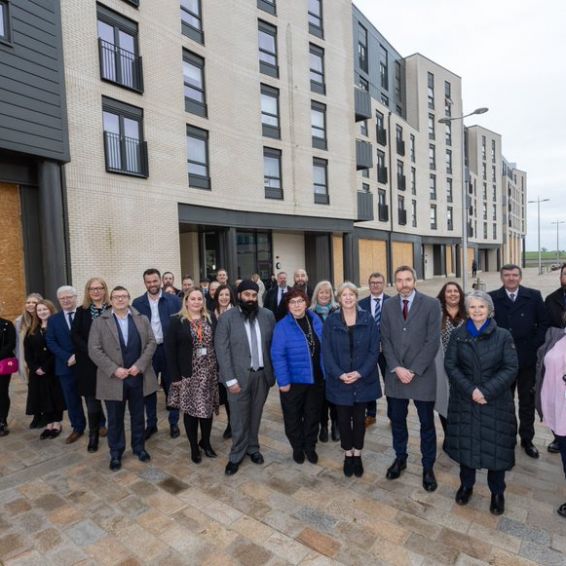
538 201
558 222
447 120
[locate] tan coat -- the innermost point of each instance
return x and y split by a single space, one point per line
104 350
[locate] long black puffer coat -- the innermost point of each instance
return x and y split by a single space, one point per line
482 436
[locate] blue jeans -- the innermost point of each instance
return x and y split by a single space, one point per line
74 402
159 363
397 412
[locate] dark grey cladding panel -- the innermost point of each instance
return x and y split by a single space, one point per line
32 87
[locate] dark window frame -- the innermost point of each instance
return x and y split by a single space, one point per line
273 192
191 105
314 29
134 3
6 20
319 142
197 181
380 131
383 67
317 86
268 130
430 90
362 48
269 6
320 197
266 67
433 217
188 29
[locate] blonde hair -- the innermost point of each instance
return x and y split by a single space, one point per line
36 322
344 286
184 312
27 318
319 286
87 301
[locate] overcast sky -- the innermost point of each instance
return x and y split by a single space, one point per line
511 56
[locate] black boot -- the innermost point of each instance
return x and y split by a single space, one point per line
92 442
323 435
334 432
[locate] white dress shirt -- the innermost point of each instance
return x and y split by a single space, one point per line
155 320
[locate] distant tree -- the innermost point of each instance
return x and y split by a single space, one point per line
543 250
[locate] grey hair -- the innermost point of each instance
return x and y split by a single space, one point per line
344 286
482 296
67 289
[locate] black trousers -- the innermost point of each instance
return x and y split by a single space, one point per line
301 408
327 409
4 397
95 414
351 423
495 479
562 443
53 417
191 428
525 386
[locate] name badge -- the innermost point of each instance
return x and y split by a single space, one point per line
201 352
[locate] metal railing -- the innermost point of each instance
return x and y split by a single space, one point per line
125 155
120 66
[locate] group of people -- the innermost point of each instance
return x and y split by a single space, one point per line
462 356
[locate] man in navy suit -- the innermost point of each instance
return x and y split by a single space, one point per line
60 343
374 304
521 311
158 307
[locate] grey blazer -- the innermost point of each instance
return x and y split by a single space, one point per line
233 350
104 350
412 344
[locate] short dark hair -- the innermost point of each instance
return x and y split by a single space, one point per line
119 288
167 273
187 277
562 268
151 271
510 267
230 290
295 293
375 275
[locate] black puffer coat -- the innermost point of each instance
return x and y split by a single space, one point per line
482 436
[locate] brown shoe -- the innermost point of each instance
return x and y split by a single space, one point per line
103 431
73 437
369 421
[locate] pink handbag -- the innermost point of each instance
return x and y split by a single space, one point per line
9 366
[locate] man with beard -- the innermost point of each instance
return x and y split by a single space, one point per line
243 343
168 279
302 282
158 307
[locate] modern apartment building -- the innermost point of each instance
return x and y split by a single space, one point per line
513 201
33 148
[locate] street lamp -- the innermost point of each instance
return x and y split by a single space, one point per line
538 201
558 222
447 120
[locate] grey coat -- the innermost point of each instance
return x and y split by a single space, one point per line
412 344
233 350
104 350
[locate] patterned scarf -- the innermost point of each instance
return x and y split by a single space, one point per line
323 310
95 312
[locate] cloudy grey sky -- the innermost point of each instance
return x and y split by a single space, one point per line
511 56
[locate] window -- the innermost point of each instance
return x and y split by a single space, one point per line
449 190
315 18
433 218
483 150
447 98
268 6
381 134
4 21
401 212
448 133
493 174
365 187
317 69
412 149
268 49
363 84
494 213
382 208
381 169
384 99
197 158
318 125
193 78
484 172
135 3
495 231
493 151
430 90
365 173
320 180
401 182
485 230
450 218
363 48
398 94
431 156
431 132
364 128
272 183
484 192
383 67
120 62
449 161
432 186
124 149
414 213
270 112
399 140
191 20
494 193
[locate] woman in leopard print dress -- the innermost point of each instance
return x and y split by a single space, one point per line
191 360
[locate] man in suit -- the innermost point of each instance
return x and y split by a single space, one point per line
243 343
410 335
274 298
521 311
60 344
374 305
121 345
158 307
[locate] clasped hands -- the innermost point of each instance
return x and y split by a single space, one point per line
350 377
123 373
404 375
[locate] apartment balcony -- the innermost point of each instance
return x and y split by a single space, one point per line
125 155
362 104
383 213
364 155
402 216
401 182
365 206
120 66
400 147
381 134
382 174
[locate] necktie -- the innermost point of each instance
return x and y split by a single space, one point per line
512 297
377 312
70 317
405 308
254 348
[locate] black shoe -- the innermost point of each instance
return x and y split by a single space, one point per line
196 457
497 506
530 449
92 443
463 495
143 456
208 451
55 432
45 434
562 510
394 471
227 432
312 456
4 431
115 464
358 466
323 434
429 481
554 447
150 431
299 455
256 458
36 422
174 431
231 468
334 432
348 466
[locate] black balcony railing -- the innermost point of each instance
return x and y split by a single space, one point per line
402 216
365 205
125 155
382 174
120 66
381 134
400 147
383 213
401 182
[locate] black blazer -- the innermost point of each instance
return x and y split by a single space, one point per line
37 355
179 349
270 299
7 339
556 309
85 369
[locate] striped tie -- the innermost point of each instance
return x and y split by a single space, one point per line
377 312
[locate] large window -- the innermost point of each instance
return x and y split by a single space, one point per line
197 158
430 90
447 99
4 21
270 112
412 151
381 168
272 182
431 156
433 217
124 148
448 133
432 186
363 48
413 181
268 6
414 213
383 67
317 69
449 190
380 132
193 77
315 18
431 127
268 49
450 218
449 161
318 125
191 19
118 49
320 180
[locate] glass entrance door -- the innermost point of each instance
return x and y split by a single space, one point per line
254 254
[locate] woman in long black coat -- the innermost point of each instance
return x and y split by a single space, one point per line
7 348
481 363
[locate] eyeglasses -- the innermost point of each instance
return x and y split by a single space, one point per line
296 302
376 283
67 298
96 288
120 297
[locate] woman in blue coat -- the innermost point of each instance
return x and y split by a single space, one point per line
350 348
296 359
